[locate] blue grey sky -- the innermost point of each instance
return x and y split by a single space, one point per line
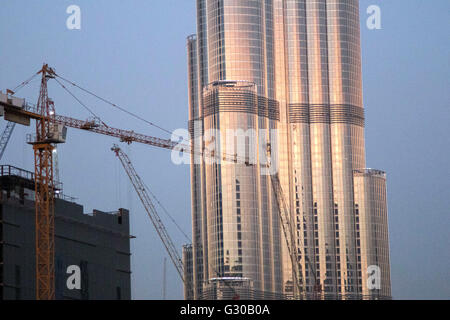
133 53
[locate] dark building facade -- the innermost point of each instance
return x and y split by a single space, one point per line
98 244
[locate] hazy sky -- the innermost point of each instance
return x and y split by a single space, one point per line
133 53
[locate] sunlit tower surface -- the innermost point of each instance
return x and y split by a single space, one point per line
303 59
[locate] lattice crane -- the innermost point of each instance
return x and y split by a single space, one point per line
44 191
141 190
287 227
6 135
289 235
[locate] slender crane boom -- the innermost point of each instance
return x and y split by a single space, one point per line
29 112
150 208
6 135
288 232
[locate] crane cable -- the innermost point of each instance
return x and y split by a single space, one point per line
228 157
167 213
80 102
23 84
115 105
179 228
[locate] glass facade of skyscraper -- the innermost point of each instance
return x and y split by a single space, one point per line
284 74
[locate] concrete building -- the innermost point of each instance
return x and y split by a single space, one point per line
286 74
98 243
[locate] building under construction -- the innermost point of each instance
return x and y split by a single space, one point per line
97 243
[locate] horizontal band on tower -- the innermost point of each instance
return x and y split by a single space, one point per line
217 101
325 113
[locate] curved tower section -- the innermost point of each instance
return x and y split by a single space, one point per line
284 74
239 227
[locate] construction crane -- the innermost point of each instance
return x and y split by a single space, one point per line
288 230
46 119
93 125
48 133
141 190
44 190
50 130
6 135
42 143
286 225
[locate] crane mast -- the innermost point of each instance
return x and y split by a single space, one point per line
44 193
141 190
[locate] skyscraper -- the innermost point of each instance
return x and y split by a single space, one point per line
283 75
